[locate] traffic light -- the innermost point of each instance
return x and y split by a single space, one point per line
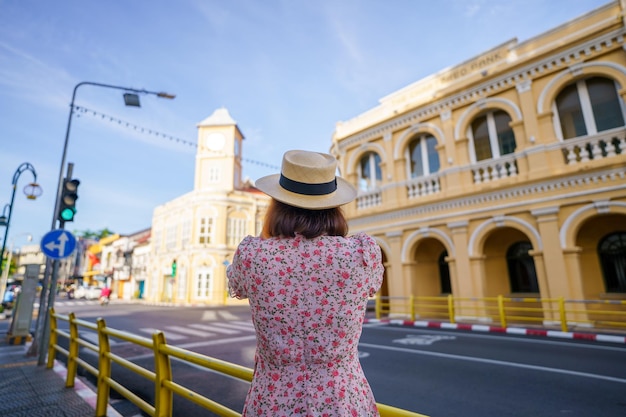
69 195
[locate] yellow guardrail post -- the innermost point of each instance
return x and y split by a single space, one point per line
53 339
562 314
412 307
72 365
163 397
104 370
501 311
378 306
451 314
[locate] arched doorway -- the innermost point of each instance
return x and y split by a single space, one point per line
431 275
508 268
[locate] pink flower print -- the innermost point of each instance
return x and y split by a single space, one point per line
275 376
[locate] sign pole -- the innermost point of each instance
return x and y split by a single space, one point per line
45 336
54 251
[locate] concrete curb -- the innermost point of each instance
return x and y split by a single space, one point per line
84 391
507 330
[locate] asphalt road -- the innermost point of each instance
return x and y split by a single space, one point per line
435 372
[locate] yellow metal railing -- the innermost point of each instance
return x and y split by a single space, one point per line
164 385
605 314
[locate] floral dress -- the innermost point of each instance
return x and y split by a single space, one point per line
308 299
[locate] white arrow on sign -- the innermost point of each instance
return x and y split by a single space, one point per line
59 246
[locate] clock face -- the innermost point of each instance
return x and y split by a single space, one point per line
215 141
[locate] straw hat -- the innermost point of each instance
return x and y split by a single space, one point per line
308 180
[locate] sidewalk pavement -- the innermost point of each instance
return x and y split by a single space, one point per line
29 390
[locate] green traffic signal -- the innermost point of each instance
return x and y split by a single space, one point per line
67 208
67 214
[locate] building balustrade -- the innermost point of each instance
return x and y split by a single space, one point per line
602 146
495 169
606 144
422 186
369 199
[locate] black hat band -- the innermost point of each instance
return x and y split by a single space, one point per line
308 189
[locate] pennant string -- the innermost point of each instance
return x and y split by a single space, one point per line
129 125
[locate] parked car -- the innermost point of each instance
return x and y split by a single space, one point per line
89 292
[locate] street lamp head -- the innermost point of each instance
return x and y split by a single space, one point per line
4 218
131 99
166 95
32 191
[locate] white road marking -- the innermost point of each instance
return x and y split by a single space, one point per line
234 325
495 362
193 332
426 339
213 328
168 335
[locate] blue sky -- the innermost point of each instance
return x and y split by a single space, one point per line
287 71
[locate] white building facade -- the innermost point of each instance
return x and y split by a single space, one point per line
194 236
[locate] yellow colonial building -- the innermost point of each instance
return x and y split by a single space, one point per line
195 235
503 175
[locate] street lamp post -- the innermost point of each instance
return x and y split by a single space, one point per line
131 98
4 277
32 191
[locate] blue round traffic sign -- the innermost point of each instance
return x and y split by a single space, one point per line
58 244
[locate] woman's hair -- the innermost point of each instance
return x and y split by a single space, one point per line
283 220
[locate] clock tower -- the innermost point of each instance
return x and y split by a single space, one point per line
218 159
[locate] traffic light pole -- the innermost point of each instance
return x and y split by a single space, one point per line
48 293
42 309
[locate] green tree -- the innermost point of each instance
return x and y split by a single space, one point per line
91 234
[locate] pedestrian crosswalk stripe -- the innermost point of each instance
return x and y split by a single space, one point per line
227 315
213 315
214 328
93 338
184 330
236 325
168 335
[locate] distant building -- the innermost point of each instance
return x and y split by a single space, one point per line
120 264
32 254
194 236
504 174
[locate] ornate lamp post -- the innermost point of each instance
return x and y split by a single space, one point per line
32 191
4 277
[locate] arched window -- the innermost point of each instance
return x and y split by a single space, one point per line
423 157
589 106
370 173
612 254
522 273
492 135
444 274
